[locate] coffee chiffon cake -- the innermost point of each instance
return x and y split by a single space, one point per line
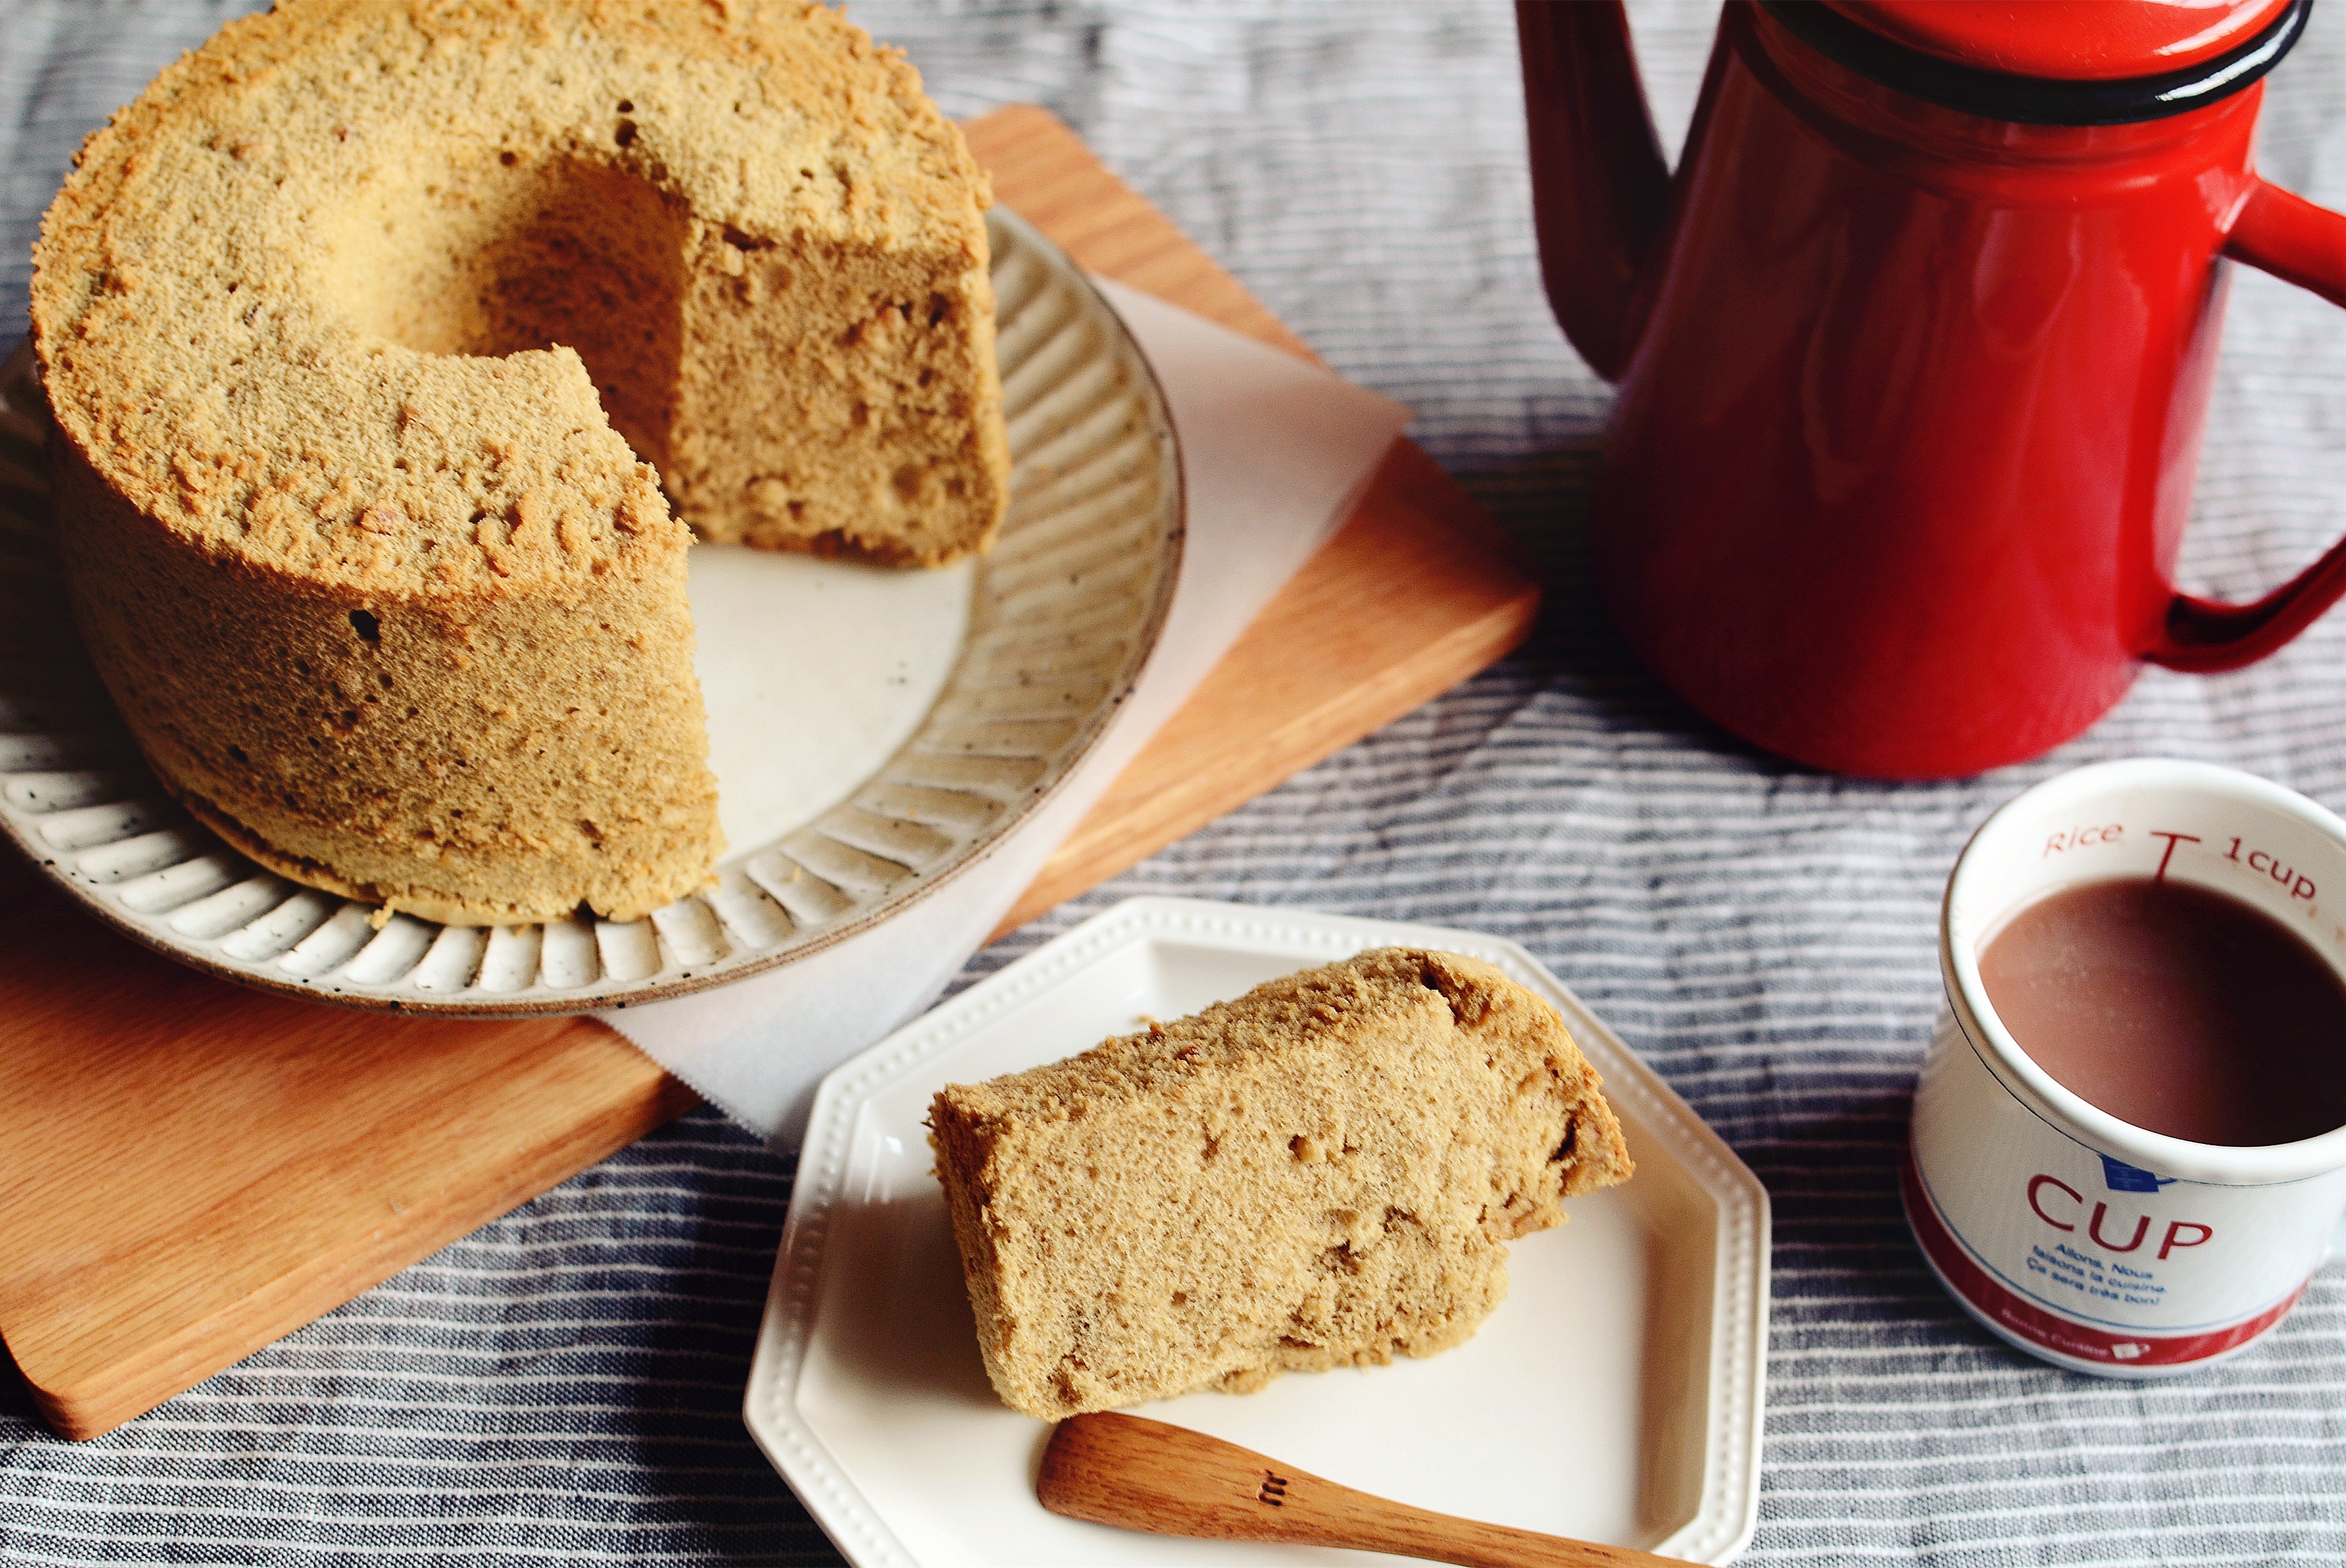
1323 1173
380 338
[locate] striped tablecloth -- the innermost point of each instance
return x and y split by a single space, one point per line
564 1384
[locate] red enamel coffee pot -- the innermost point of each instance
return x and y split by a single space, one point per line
1915 350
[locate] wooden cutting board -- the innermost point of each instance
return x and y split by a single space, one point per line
190 1169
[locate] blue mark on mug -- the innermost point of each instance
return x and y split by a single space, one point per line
2123 1177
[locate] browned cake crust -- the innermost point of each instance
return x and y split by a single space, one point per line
1321 1174
382 593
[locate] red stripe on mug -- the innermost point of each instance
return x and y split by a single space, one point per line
1988 1295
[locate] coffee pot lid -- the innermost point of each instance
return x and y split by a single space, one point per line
2067 40
2053 62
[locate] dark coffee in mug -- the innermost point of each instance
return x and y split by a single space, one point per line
2175 1008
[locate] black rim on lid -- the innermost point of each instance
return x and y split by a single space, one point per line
2035 100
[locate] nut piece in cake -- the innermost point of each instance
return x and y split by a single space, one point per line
1323 1173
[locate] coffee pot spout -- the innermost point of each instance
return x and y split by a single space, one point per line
1600 190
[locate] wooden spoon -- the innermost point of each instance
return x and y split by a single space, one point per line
1145 1475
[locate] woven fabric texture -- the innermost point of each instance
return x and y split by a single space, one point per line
565 1383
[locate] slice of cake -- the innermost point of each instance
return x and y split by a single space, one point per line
1323 1173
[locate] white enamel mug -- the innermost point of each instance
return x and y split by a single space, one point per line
2094 1244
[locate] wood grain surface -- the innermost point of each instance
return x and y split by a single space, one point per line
1416 592
190 1169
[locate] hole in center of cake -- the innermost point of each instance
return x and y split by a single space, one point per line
486 257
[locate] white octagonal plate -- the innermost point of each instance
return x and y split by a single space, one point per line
873 730
1615 1395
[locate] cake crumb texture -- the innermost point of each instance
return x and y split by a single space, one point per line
380 335
1323 1173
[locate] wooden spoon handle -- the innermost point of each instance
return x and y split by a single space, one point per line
1146 1475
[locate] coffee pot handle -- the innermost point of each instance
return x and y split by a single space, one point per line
2299 243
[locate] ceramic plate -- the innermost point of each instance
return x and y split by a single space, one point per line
856 769
1614 1396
